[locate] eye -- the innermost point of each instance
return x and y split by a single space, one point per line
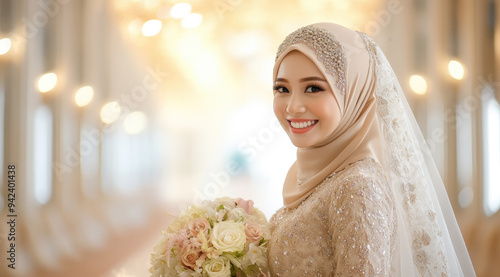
280 89
314 88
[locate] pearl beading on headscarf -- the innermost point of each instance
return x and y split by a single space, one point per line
326 47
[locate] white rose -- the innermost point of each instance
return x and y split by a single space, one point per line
236 214
259 216
219 267
227 202
266 231
228 236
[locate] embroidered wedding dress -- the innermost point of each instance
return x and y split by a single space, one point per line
345 226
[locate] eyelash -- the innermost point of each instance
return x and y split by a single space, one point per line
314 86
276 89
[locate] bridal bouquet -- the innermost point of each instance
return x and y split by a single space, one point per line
224 237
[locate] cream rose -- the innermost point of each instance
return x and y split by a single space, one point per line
199 225
189 256
219 267
227 202
253 231
237 214
228 236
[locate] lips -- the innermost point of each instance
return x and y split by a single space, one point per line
301 126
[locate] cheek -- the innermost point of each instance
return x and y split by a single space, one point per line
279 108
327 111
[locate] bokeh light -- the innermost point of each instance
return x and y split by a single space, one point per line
456 70
110 112
151 27
83 96
180 10
418 84
47 82
5 45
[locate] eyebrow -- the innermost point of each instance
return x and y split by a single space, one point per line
313 78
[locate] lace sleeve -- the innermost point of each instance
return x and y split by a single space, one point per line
362 223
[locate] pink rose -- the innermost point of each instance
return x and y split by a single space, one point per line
199 225
253 231
189 256
246 205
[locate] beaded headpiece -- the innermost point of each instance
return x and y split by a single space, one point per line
326 47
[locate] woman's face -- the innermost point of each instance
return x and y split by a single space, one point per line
304 103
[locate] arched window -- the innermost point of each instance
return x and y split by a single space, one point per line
42 154
491 152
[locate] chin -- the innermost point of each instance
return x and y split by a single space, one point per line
301 144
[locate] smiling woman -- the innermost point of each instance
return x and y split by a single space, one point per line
362 197
304 102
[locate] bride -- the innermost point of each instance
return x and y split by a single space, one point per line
364 197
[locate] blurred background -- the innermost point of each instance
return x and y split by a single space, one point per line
116 114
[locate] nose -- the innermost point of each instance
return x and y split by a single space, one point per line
295 104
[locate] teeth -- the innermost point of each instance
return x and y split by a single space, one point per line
301 125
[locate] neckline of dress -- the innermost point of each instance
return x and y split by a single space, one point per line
334 174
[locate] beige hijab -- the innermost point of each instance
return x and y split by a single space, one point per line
341 56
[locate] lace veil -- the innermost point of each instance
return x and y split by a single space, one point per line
430 242
429 232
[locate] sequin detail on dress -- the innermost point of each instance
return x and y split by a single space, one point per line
327 48
346 227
